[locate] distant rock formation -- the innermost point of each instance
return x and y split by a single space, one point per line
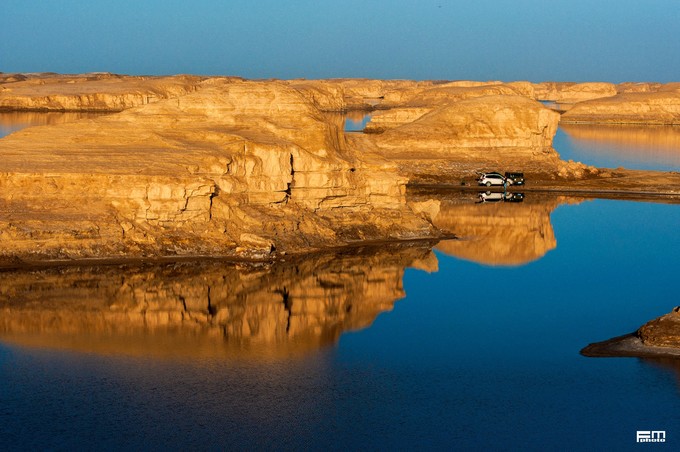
661 107
569 93
88 92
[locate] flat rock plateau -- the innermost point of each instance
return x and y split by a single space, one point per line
254 169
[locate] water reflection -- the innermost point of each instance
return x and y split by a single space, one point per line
668 365
505 196
637 147
260 311
13 121
351 121
208 308
494 228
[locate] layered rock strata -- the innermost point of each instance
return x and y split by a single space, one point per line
569 93
505 132
88 92
209 308
661 107
244 167
225 166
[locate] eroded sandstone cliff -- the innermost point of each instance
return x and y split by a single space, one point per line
502 132
224 166
236 166
660 107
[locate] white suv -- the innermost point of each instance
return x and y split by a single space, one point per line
490 179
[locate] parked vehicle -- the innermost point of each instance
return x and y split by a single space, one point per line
490 179
515 178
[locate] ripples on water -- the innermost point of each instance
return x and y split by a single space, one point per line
471 346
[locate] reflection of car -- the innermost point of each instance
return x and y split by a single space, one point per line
514 197
497 196
490 179
515 178
490 196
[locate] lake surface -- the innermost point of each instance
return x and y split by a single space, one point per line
469 344
474 345
14 121
613 146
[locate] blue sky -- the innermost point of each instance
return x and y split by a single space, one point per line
536 40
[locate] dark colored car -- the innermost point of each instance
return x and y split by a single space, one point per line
515 178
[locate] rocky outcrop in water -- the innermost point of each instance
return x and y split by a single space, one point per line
661 107
224 166
663 331
657 338
245 167
488 132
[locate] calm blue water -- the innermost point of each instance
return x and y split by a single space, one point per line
356 123
473 358
13 121
634 147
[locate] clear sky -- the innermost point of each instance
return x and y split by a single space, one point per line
536 40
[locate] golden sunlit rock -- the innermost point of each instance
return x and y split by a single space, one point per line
90 92
661 107
569 92
225 166
191 175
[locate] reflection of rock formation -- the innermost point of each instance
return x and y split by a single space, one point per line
629 141
214 308
499 233
17 120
